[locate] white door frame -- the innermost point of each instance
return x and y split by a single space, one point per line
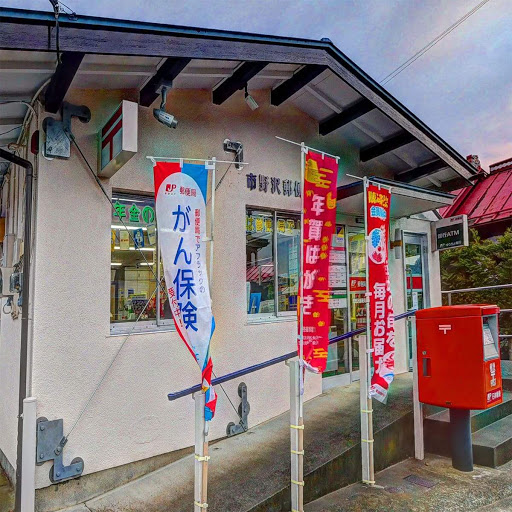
422 240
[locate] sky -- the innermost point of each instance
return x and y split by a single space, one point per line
461 88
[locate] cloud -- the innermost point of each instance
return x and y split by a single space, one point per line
460 87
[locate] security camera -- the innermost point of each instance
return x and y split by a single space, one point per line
253 105
161 115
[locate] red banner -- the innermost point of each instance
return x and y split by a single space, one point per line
320 179
381 304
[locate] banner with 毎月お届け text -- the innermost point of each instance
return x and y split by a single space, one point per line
378 201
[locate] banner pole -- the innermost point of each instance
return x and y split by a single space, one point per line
301 305
212 224
297 380
295 436
366 403
201 455
300 419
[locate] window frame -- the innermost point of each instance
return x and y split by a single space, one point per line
276 316
142 326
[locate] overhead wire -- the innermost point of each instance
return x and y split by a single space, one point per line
431 44
11 130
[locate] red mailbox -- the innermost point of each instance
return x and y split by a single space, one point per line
459 356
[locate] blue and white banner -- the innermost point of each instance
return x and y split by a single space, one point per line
180 195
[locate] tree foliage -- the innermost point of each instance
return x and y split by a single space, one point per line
485 262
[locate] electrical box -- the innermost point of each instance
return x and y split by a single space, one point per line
16 283
5 281
458 355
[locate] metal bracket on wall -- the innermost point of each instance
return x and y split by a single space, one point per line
50 443
236 147
58 144
243 411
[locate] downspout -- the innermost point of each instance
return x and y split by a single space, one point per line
25 296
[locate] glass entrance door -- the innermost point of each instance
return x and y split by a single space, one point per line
415 251
337 371
348 306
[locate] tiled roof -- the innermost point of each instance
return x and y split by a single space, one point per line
489 200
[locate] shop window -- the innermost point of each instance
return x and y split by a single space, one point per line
272 262
135 271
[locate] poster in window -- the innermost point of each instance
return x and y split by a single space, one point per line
152 234
138 238
124 240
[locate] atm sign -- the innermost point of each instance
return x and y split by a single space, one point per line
450 232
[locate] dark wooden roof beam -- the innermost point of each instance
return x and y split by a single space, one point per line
61 80
346 191
376 150
238 80
348 115
294 84
166 73
421 171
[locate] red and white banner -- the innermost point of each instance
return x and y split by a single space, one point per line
320 179
180 194
381 304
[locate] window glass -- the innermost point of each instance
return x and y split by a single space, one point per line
338 355
260 274
133 271
414 275
272 262
357 288
288 251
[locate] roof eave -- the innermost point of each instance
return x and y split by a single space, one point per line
459 164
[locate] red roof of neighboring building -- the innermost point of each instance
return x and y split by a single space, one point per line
488 200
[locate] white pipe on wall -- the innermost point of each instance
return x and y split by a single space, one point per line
28 477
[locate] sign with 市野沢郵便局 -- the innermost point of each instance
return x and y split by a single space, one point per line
320 178
180 195
382 328
450 233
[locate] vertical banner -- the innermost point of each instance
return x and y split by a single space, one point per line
180 195
378 201
320 191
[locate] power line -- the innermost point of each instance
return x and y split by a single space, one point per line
431 44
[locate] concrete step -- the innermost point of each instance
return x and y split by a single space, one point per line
437 425
251 472
492 433
492 445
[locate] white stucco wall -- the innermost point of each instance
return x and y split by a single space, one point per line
130 418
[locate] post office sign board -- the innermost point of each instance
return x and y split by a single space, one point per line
450 233
118 139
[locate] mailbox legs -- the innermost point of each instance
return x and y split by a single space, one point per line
462 448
